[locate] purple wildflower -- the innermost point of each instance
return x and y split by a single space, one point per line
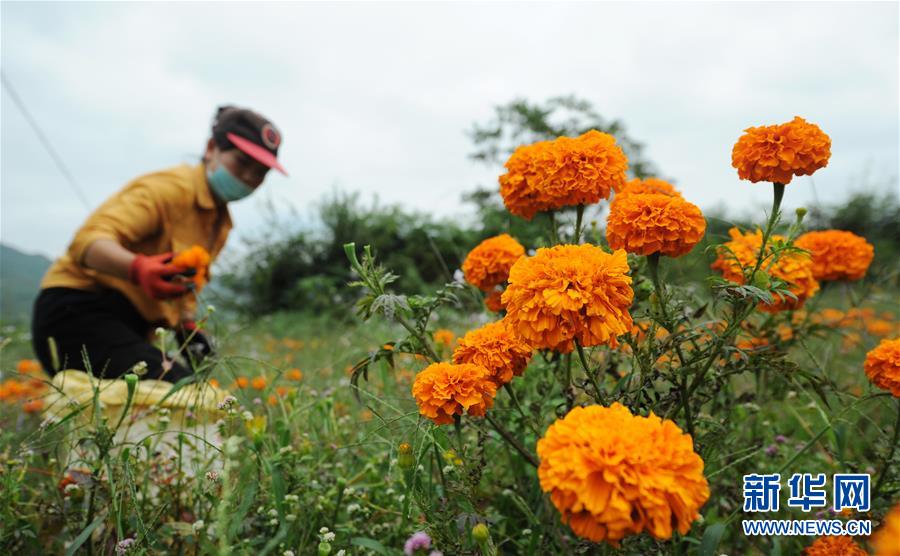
771 450
419 540
781 439
124 546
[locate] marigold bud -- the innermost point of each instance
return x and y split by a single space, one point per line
801 212
761 280
480 533
406 459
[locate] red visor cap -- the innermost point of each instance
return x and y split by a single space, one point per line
260 154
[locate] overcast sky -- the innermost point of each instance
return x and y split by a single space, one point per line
377 97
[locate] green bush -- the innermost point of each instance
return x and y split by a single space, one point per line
306 269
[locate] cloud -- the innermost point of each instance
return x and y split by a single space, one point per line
376 97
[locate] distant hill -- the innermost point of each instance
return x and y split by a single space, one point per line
20 279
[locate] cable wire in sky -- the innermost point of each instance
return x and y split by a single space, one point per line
44 140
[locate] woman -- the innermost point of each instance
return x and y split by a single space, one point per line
101 301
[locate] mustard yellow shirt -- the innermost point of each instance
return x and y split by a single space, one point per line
169 210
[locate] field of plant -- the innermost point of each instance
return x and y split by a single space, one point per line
598 385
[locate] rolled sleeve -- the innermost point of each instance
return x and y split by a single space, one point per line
127 218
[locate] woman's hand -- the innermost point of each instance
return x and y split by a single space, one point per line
155 274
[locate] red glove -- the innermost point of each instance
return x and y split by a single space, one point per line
153 274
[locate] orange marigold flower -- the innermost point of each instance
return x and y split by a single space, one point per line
751 344
837 255
885 540
197 258
834 546
521 185
73 476
570 292
882 328
493 301
828 317
882 366
549 175
794 268
213 382
612 474
28 366
444 337
295 374
259 383
12 389
857 317
785 332
64 482
242 382
443 390
495 347
488 264
33 406
653 186
777 153
645 224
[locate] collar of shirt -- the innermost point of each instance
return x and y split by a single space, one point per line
204 195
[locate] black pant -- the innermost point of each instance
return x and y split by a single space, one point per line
105 325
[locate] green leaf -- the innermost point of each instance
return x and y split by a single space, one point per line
371 544
83 536
711 539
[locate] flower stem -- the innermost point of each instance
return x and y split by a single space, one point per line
653 267
686 406
440 469
579 214
515 400
529 457
777 196
740 316
590 374
424 341
553 231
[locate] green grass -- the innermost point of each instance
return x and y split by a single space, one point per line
320 458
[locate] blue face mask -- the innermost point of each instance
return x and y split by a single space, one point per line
225 186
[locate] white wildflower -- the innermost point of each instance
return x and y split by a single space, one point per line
140 368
